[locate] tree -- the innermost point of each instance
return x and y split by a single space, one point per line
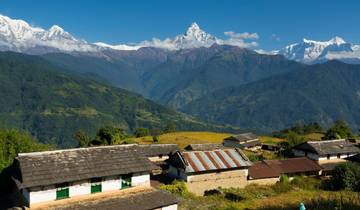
140 132
346 176
82 138
109 135
339 130
170 128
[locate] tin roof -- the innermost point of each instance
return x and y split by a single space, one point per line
219 159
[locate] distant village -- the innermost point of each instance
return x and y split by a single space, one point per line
128 176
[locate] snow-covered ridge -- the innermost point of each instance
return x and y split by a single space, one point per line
309 51
19 36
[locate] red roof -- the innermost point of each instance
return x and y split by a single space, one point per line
274 168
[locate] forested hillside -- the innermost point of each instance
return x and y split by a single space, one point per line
37 97
320 93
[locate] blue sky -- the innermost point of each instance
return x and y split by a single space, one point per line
277 23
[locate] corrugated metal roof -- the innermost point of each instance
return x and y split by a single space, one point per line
220 159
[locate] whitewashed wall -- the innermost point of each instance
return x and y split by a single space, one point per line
140 179
80 188
111 183
39 195
171 207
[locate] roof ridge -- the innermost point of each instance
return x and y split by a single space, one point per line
72 149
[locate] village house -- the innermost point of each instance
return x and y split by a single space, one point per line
159 154
269 171
206 170
327 153
53 176
243 141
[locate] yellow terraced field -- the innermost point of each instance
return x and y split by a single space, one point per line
185 138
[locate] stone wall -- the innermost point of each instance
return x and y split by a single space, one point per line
265 181
198 184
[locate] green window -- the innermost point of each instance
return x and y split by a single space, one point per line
125 181
62 191
96 185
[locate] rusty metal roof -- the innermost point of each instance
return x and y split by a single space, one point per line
220 159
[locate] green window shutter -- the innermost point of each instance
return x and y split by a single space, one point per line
125 181
62 193
95 188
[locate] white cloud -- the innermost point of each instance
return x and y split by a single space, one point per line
239 39
275 37
245 35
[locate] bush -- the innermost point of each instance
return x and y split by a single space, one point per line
140 132
231 196
281 187
176 187
284 179
346 176
307 183
213 192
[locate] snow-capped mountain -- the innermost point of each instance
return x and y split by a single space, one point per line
309 51
193 38
19 36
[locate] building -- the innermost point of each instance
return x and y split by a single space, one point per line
328 153
204 147
158 152
354 158
206 170
243 141
270 171
49 177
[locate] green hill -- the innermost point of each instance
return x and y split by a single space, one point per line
37 97
319 93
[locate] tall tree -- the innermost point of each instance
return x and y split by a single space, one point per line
339 130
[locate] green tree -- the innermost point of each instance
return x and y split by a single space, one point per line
339 130
170 128
140 132
109 135
13 142
82 138
346 176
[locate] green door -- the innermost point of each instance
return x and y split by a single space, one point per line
95 188
62 193
126 181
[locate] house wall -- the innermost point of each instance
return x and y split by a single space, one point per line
44 194
171 207
198 184
173 172
265 181
48 193
111 183
79 188
142 179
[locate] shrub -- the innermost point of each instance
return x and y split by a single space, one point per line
234 196
140 132
346 176
176 187
281 187
213 192
284 179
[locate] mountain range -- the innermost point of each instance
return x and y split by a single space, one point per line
19 36
219 81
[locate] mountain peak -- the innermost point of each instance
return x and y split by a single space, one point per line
337 40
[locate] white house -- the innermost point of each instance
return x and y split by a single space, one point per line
243 141
64 174
328 153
